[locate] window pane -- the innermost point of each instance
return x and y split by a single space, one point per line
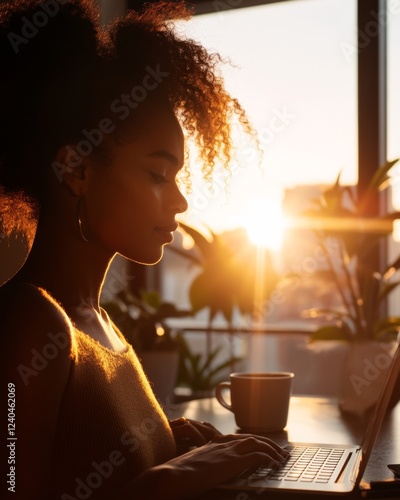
393 129
393 91
295 73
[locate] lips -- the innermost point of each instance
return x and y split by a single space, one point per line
166 231
170 228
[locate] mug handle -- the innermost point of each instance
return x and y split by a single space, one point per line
218 394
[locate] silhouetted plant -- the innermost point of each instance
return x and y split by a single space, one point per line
142 319
348 236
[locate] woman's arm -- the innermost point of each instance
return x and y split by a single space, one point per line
203 468
35 358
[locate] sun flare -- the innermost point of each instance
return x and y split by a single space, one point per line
265 223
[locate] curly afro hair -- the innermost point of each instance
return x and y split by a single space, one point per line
61 71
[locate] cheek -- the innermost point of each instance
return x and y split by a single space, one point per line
122 210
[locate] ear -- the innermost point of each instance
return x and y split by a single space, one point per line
69 167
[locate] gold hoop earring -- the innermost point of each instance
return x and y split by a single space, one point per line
80 221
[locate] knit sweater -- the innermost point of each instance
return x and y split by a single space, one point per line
110 426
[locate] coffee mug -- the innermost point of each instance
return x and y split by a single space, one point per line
259 401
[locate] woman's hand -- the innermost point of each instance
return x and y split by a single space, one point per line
191 433
200 469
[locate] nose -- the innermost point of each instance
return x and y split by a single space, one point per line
179 203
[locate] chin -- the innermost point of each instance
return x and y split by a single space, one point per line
148 259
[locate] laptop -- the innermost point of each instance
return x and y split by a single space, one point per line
322 468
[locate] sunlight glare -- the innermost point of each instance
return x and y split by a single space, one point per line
160 330
396 230
265 223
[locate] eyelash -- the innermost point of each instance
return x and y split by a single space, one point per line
158 179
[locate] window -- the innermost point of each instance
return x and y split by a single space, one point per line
295 66
294 69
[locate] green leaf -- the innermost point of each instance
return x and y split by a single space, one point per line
204 245
214 290
200 292
386 329
386 289
151 297
380 178
392 268
169 310
379 182
221 366
195 370
209 359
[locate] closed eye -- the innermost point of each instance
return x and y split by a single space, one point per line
158 178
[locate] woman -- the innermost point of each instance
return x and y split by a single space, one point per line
91 146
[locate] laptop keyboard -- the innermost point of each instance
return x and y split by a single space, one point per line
305 464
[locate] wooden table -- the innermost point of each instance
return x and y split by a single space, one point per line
311 419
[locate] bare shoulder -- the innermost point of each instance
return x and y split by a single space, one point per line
28 314
35 331
36 360
19 299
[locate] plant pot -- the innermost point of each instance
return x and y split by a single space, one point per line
319 367
161 368
364 374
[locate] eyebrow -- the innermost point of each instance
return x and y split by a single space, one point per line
165 155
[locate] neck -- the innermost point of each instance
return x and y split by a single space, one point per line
69 268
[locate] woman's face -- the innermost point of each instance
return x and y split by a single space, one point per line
130 205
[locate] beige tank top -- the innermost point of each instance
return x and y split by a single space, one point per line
110 426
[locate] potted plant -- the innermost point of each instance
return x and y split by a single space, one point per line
142 321
227 277
225 285
348 236
199 372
